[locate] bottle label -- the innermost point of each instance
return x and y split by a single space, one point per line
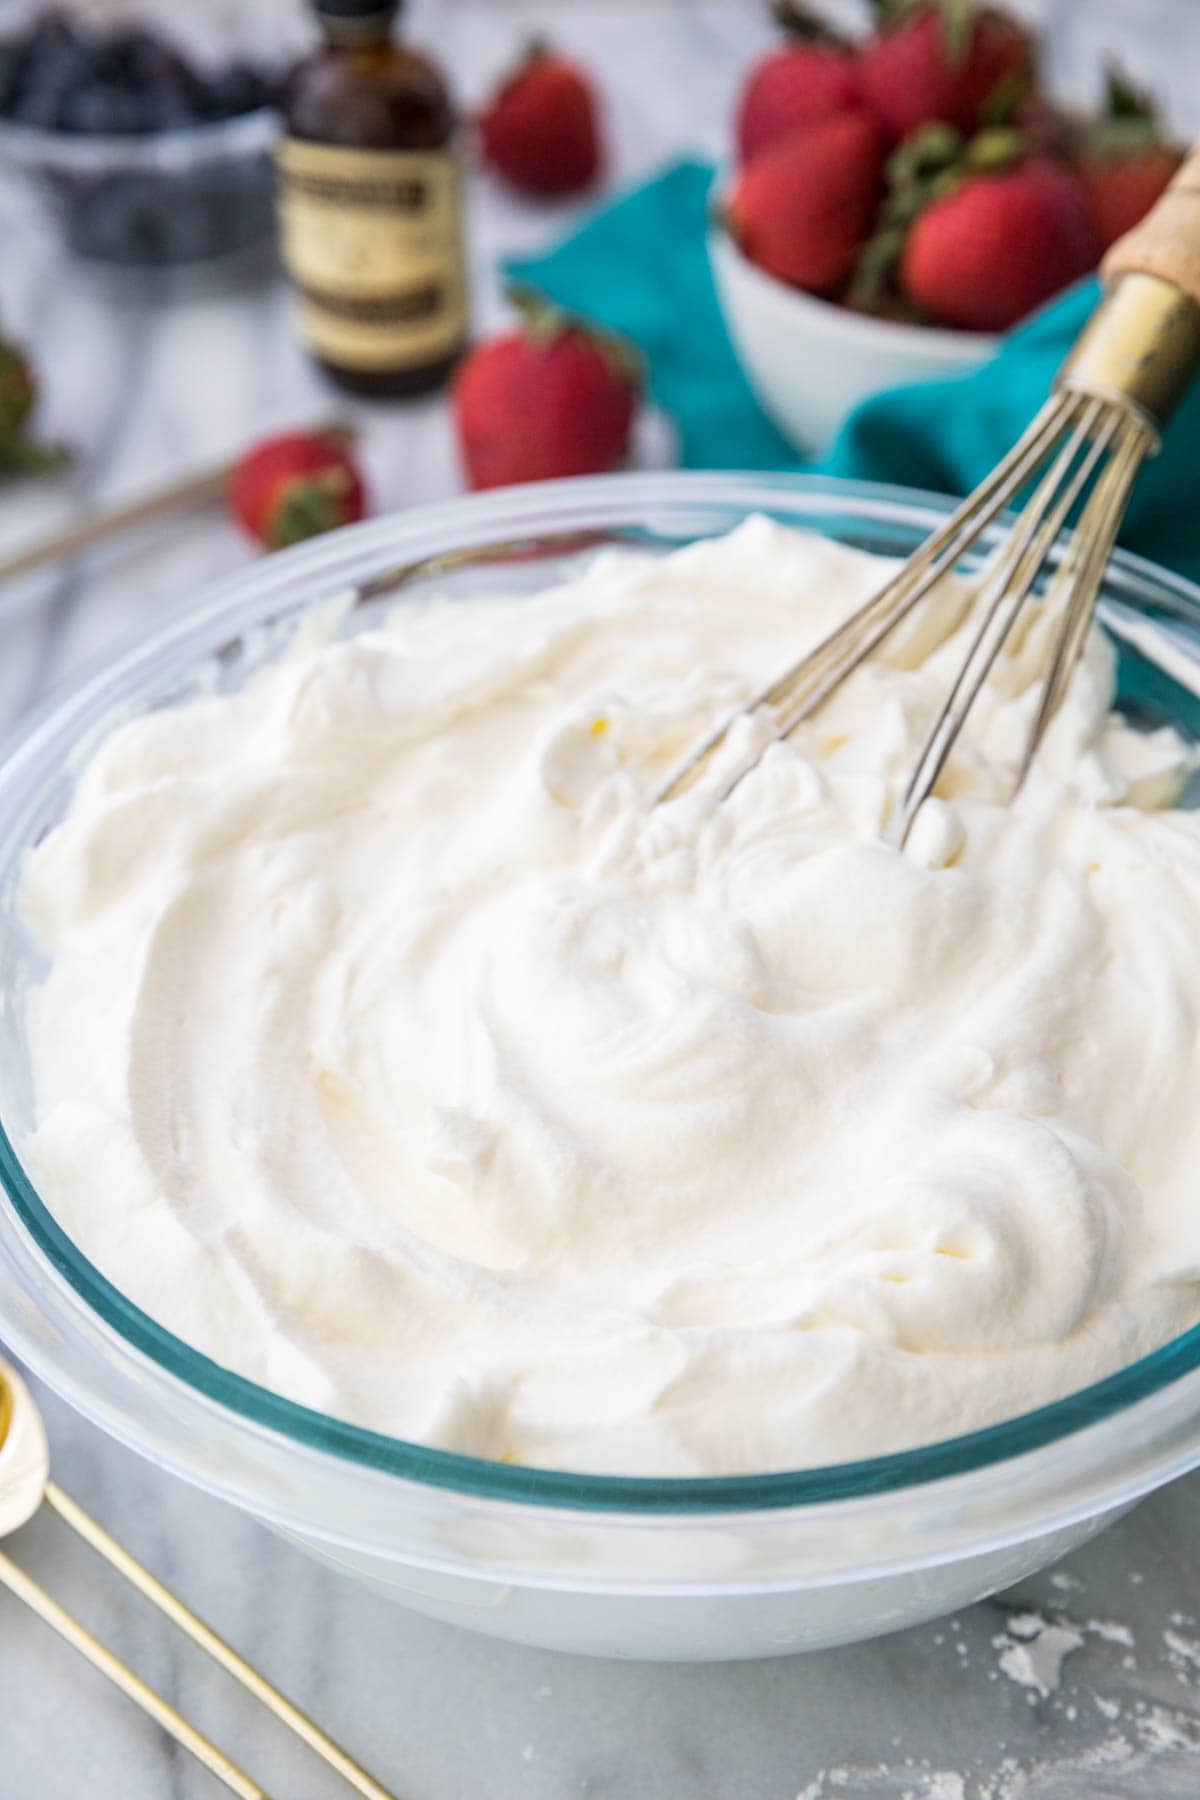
372 240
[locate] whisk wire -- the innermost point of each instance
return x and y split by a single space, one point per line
1084 437
866 630
1005 588
813 677
807 683
1081 572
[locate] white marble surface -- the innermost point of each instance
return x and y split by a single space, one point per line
149 380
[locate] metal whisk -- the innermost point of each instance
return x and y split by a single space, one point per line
1114 393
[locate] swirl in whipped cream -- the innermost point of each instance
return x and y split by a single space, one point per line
396 1056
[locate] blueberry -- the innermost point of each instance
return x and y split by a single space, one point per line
53 54
234 90
104 110
39 106
51 32
166 108
89 110
13 57
118 55
47 81
125 115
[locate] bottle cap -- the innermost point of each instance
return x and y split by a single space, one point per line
356 18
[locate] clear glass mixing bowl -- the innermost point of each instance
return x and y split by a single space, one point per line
719 1568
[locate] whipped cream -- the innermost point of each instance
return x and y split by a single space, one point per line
394 1054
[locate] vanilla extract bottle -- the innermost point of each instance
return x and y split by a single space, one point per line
370 209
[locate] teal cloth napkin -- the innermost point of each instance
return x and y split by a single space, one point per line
640 266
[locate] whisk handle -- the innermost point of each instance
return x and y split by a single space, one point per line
1167 242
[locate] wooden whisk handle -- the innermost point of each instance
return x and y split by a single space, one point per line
1167 242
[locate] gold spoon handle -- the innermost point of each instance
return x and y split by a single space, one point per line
201 1634
199 489
47 1609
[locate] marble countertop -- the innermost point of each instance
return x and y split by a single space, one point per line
1084 1685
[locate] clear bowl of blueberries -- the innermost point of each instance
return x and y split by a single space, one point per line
146 157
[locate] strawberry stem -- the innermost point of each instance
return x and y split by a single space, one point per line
543 323
958 22
930 164
307 506
1004 103
21 455
958 28
998 147
541 320
799 21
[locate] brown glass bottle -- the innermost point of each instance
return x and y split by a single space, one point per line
369 206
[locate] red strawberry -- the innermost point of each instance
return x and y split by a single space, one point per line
1000 244
803 209
540 129
1126 161
18 388
295 485
21 454
800 84
1047 127
551 398
942 59
1121 190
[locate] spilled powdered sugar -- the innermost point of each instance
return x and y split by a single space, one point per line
1060 1664
1032 1651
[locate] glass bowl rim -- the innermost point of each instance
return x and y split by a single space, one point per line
34 147
245 1403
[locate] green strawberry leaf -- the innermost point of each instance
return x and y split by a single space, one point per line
930 147
958 26
308 506
999 147
800 21
958 22
1129 123
543 322
21 455
1123 99
1007 98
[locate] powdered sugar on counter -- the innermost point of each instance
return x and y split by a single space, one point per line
1032 1651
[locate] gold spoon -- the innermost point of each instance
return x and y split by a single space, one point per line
24 1484
203 488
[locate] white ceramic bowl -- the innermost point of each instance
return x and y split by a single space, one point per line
711 1569
811 362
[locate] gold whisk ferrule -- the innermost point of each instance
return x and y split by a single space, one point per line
1140 348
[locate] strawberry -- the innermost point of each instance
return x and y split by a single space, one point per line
998 245
540 129
551 398
798 85
1121 190
944 59
17 388
808 79
1125 162
804 207
21 454
294 486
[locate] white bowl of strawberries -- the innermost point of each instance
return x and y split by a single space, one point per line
899 202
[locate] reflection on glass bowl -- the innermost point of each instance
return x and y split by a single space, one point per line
180 196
